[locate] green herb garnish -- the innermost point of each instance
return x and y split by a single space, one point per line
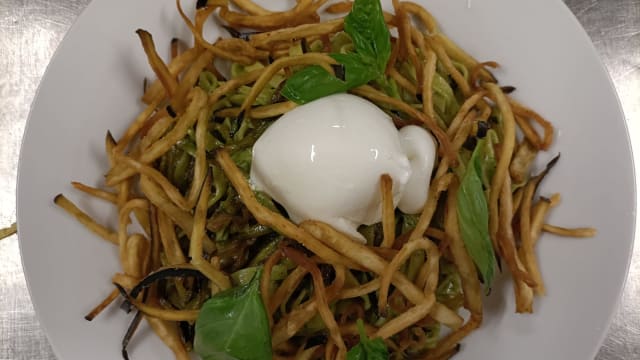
366 26
368 349
473 211
234 325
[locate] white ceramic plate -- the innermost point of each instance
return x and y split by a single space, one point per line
93 85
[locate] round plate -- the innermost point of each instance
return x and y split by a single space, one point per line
95 80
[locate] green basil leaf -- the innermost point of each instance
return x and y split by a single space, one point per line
365 25
358 69
368 349
444 99
368 30
473 213
233 325
312 83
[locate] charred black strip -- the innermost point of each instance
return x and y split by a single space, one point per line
126 305
161 275
340 71
171 112
508 89
238 34
144 85
201 4
499 261
233 32
537 180
483 128
304 45
187 331
110 137
328 273
551 164
317 340
240 117
470 143
133 326
452 83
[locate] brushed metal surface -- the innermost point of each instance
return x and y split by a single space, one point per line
30 31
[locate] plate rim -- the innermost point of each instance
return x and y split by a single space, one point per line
568 14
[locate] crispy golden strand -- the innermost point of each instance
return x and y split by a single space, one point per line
156 92
169 333
427 91
569 232
260 112
95 192
527 250
85 219
523 281
539 213
388 211
103 305
267 40
187 120
503 157
161 70
250 7
365 257
430 279
217 277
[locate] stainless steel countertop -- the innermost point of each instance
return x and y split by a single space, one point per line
30 31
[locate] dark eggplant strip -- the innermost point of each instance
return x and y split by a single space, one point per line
133 326
161 275
470 143
187 332
536 180
238 34
171 112
126 305
483 128
550 166
240 117
201 3
508 89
